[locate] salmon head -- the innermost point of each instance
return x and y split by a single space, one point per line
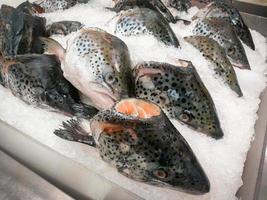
179 91
138 139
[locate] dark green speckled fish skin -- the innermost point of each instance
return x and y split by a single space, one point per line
226 11
155 5
223 33
140 21
38 80
149 150
213 52
179 91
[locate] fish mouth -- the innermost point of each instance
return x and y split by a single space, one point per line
102 96
205 188
216 133
126 109
241 66
142 70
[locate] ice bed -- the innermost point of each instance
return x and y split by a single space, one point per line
78 169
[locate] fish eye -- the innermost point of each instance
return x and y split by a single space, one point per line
43 97
160 173
231 50
184 117
110 78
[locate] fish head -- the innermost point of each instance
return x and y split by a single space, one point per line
180 93
109 70
109 87
59 98
226 36
236 54
138 138
171 172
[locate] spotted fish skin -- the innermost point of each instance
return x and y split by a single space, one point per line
220 9
180 5
63 27
213 52
38 81
142 21
155 5
148 150
55 5
179 91
222 32
96 63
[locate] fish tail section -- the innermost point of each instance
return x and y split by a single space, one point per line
53 47
73 130
84 111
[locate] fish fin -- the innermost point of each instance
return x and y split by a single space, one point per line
165 11
72 130
84 111
53 47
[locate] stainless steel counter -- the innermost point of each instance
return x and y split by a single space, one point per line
17 182
71 177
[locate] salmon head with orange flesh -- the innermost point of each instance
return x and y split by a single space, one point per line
138 139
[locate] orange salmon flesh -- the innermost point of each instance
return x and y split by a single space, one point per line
138 108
